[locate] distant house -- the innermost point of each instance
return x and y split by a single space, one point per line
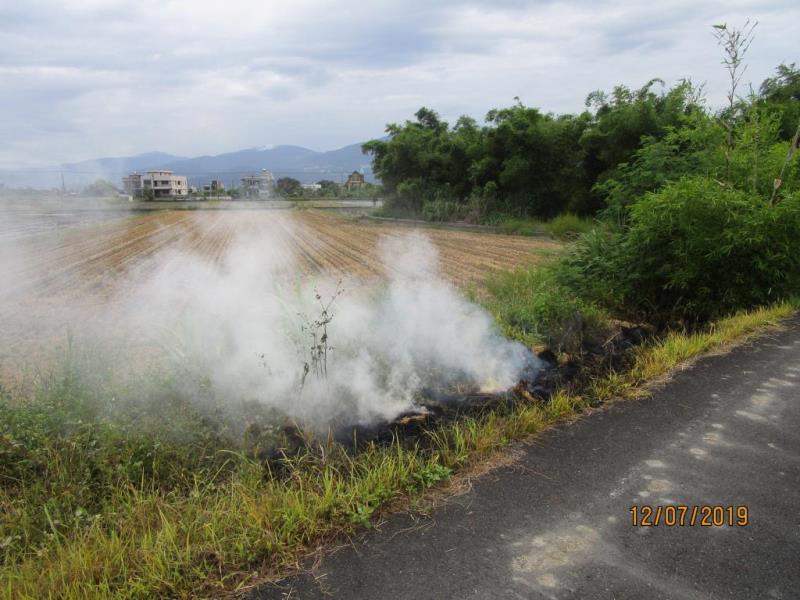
216 185
132 184
261 185
157 184
355 181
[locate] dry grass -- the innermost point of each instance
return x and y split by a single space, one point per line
59 277
655 362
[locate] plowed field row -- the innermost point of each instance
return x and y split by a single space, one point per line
50 280
309 242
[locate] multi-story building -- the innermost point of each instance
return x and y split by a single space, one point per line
164 184
132 184
261 185
156 184
216 185
355 181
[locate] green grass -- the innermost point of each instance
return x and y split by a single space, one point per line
530 305
569 226
519 226
92 509
566 226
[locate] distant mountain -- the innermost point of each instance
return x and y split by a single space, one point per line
79 174
301 163
123 165
308 166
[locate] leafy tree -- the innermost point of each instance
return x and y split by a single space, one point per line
289 187
534 161
625 118
328 188
421 160
522 162
101 187
781 94
699 146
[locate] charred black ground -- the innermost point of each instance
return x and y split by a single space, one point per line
541 378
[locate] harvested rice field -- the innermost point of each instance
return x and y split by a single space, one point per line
57 267
86 259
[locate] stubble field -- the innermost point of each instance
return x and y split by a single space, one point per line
73 259
58 267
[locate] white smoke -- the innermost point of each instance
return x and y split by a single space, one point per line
238 324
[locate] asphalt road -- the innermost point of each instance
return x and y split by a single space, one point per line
557 523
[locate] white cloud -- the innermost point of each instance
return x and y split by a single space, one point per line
88 78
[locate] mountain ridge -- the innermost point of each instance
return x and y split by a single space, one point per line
285 160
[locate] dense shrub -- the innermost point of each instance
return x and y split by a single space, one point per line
693 251
569 225
594 268
532 306
517 225
445 210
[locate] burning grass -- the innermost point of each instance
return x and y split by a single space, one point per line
91 509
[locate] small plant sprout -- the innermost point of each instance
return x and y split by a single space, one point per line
317 332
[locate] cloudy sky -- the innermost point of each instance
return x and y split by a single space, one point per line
88 78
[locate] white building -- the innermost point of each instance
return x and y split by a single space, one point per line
158 184
261 185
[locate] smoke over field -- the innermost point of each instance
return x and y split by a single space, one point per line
250 331
231 305
171 384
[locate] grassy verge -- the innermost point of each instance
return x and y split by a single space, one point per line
532 306
163 522
566 226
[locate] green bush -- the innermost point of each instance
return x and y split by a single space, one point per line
532 306
444 210
569 225
694 251
566 226
517 225
594 268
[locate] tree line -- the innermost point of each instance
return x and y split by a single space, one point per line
695 211
524 162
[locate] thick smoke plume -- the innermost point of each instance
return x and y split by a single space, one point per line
233 333
242 325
